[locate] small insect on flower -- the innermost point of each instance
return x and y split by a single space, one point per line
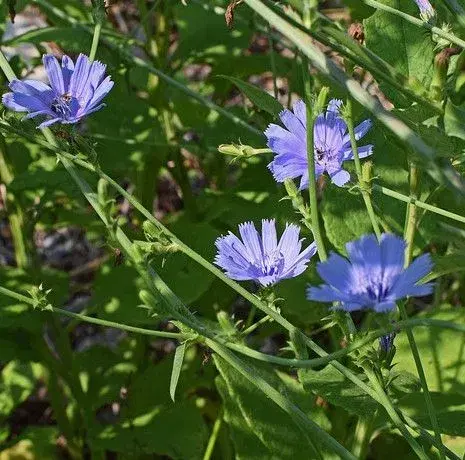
263 259
75 91
331 144
373 277
426 10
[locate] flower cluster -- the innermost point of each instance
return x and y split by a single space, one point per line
373 276
75 91
331 144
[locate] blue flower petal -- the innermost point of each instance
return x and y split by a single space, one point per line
54 74
418 269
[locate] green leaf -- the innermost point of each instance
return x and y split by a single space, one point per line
16 384
177 367
34 443
454 120
403 45
187 279
150 423
345 217
441 352
260 428
332 386
445 265
449 408
70 38
116 295
259 97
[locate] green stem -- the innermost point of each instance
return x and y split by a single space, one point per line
253 327
362 436
312 114
424 384
295 363
411 221
95 41
15 215
418 22
418 203
373 378
273 63
358 168
409 236
123 327
5 66
213 437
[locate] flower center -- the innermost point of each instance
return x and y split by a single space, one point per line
62 105
272 264
325 156
377 291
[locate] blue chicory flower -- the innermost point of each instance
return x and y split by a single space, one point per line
373 277
331 143
263 259
426 10
75 91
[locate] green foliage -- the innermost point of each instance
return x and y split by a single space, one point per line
406 47
259 428
258 97
17 383
331 385
441 351
150 422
